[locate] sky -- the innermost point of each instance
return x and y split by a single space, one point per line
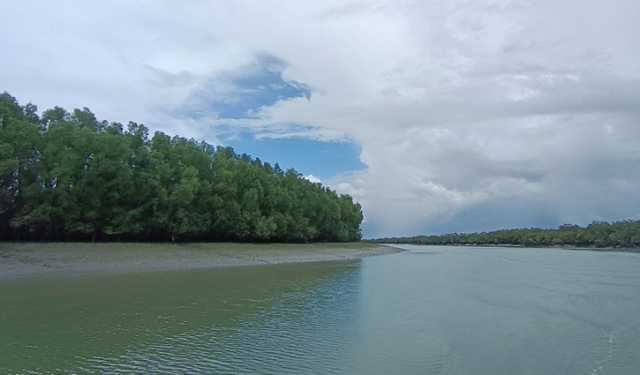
437 116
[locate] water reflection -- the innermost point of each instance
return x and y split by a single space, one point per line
237 319
433 310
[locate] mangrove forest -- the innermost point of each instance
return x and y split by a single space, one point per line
620 234
68 176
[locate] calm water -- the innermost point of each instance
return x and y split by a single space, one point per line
430 310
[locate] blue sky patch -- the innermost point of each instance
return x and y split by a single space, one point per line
241 94
321 159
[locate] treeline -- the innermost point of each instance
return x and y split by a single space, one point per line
622 234
68 176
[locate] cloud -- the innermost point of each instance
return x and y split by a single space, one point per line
468 114
313 179
239 94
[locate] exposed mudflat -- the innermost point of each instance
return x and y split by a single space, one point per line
26 260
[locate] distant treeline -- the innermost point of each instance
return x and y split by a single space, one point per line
68 176
597 234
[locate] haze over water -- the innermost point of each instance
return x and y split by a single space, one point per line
429 310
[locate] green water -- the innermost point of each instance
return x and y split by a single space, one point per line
430 310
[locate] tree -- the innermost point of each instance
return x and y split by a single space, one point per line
68 176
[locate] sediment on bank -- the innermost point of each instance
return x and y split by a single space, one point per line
27 260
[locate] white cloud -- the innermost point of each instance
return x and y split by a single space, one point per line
313 179
457 105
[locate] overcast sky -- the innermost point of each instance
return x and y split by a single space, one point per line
435 115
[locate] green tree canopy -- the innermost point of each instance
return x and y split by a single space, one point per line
620 234
67 176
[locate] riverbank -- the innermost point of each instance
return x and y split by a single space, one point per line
559 247
28 260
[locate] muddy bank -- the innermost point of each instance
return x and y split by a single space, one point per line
27 260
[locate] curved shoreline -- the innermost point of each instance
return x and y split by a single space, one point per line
35 260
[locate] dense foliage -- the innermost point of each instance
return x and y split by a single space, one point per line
597 234
68 176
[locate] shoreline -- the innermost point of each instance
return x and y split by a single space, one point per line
28 260
512 246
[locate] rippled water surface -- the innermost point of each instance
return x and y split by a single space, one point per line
429 310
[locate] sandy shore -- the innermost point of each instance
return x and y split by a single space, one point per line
27 260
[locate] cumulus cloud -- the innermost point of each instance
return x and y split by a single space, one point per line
469 114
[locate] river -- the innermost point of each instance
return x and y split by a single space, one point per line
428 310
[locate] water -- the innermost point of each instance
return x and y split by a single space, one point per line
430 310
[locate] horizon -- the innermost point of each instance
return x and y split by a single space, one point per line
437 118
